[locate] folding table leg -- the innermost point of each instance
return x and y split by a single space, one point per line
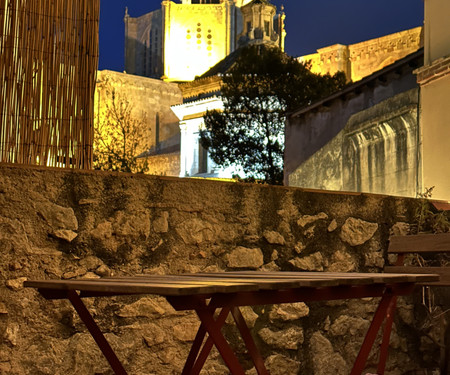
213 329
101 341
249 342
195 363
195 348
386 336
371 335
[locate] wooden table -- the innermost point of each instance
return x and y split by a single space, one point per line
226 292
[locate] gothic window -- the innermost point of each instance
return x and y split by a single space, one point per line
249 26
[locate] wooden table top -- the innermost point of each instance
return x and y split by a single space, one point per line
225 282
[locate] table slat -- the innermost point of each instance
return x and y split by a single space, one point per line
226 282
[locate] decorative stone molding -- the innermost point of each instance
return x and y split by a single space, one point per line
201 86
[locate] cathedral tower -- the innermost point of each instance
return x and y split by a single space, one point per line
262 24
183 40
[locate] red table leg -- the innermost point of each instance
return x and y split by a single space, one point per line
194 363
195 348
386 336
249 342
371 335
388 327
101 341
213 328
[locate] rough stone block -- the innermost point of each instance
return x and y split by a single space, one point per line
274 238
289 338
309 219
161 223
243 257
313 262
289 311
356 231
326 361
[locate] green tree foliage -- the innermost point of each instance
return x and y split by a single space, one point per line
120 137
258 90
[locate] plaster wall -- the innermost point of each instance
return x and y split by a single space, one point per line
190 142
380 148
435 120
323 170
64 224
307 133
376 151
434 81
437 33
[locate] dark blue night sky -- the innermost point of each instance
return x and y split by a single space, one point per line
310 24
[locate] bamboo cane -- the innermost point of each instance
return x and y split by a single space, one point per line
49 60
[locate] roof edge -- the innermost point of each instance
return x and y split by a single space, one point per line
357 84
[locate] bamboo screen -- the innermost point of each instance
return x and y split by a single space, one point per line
48 68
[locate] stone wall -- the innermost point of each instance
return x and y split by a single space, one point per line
150 101
164 165
362 59
144 44
66 224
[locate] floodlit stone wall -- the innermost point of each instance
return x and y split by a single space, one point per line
149 100
62 224
359 60
196 37
164 165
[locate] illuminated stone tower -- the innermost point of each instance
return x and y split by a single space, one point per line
181 41
262 24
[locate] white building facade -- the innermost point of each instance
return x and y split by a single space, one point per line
194 159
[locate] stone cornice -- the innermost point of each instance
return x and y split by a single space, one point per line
437 69
201 86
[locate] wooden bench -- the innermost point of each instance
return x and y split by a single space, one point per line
422 245
428 248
